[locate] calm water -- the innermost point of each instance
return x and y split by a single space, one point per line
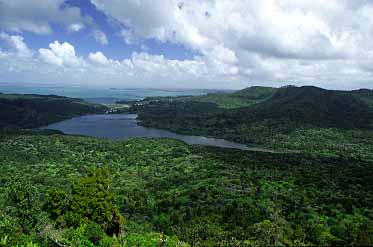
95 94
124 126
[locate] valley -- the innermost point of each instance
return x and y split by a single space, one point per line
315 190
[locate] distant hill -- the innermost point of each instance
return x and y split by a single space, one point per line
306 105
255 93
225 100
266 114
315 106
365 95
29 110
243 98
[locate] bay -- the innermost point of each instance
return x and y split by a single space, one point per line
124 126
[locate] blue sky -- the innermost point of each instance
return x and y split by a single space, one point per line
116 48
187 44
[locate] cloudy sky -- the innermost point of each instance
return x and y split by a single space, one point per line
188 43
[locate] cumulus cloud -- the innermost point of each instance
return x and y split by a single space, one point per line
100 37
36 15
259 40
98 57
60 63
60 54
235 43
17 44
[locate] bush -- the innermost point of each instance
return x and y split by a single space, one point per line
90 200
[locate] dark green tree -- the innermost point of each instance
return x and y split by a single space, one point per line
91 200
24 204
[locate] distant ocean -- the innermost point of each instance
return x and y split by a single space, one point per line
97 95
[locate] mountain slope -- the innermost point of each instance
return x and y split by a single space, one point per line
29 111
306 119
314 106
305 106
365 95
225 100
255 93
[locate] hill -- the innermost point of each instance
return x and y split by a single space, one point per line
243 98
225 100
304 106
286 119
364 94
313 106
255 93
29 110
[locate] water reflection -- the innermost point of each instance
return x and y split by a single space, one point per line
124 126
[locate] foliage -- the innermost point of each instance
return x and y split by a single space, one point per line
227 100
23 203
305 119
205 196
58 190
91 199
30 111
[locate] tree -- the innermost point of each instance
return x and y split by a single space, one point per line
24 204
90 199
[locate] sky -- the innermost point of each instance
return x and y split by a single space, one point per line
222 44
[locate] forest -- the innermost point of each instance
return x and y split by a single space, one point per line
315 190
61 190
289 119
30 110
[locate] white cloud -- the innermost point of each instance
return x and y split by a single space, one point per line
303 42
59 63
147 17
128 36
224 55
98 57
60 54
36 15
236 43
50 57
17 44
100 37
75 27
3 54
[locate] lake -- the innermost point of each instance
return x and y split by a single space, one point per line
124 126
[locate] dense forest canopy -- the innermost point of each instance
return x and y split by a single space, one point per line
205 196
29 110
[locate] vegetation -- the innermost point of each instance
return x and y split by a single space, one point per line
30 111
202 195
58 190
305 119
232 100
64 205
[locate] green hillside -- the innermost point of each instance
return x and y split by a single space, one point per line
29 111
313 106
242 98
255 93
366 95
231 100
341 120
